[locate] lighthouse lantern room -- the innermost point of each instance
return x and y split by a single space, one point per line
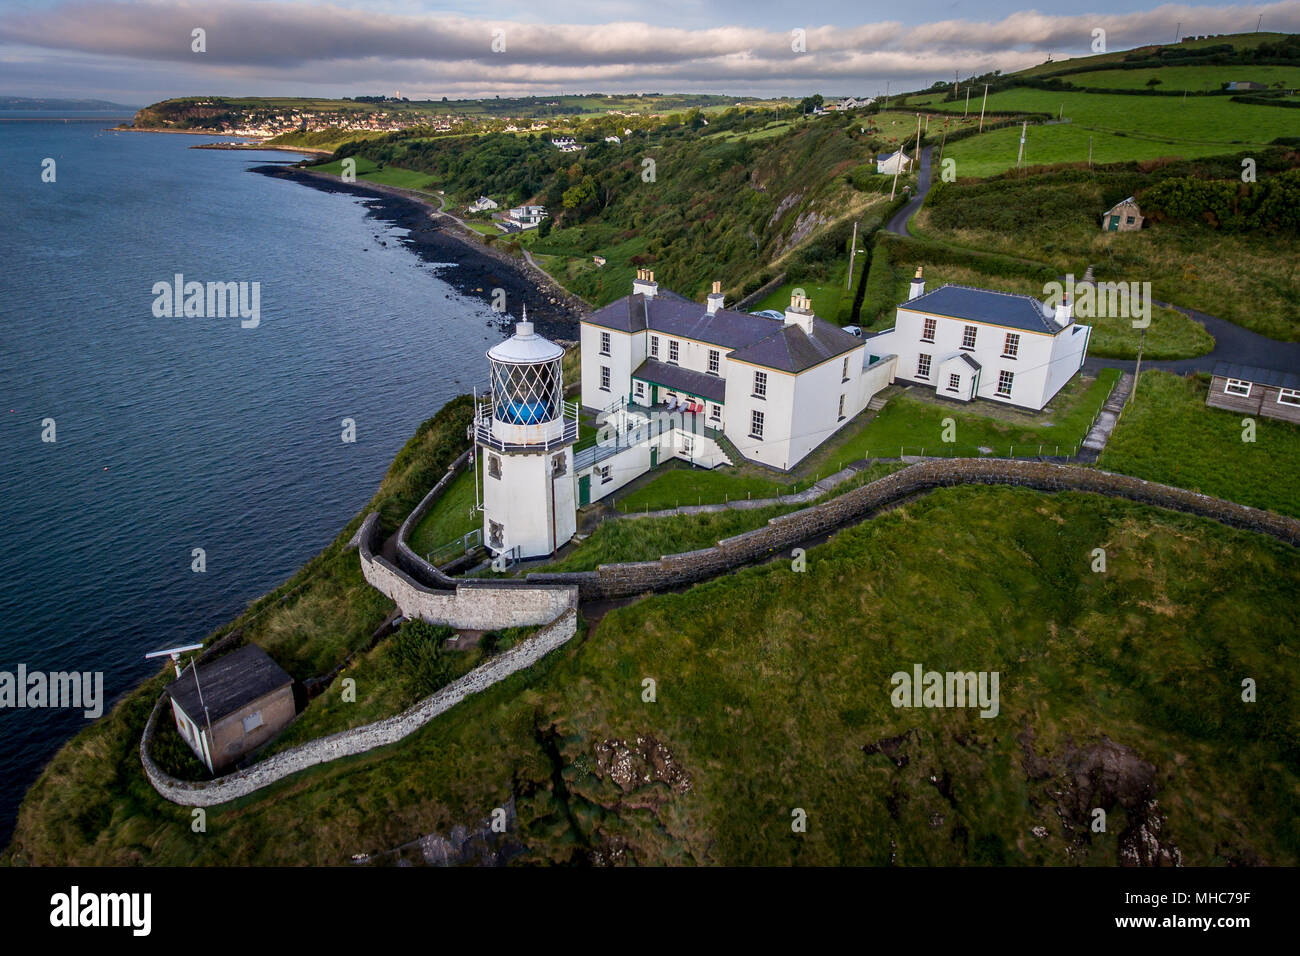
524 433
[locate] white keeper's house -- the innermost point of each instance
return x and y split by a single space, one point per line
768 389
976 343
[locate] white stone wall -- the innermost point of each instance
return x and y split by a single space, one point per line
360 739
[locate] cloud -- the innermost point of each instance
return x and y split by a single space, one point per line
275 44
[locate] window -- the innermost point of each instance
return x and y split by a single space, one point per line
968 337
923 365
606 474
756 425
927 331
1005 379
715 361
674 350
640 391
841 408
496 535
1129 221
844 372
604 343
688 446
654 346
760 385
1236 386
1289 396
252 721
954 382
494 466
559 466
604 378
715 413
1011 348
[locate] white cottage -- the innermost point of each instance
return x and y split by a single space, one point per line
890 163
976 343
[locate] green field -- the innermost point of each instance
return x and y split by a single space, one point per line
1121 128
1168 434
1239 41
1193 78
386 176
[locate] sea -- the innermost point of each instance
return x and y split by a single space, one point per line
129 440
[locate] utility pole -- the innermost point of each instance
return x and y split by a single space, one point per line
1138 370
886 94
982 105
966 112
1258 22
1178 32
1090 152
853 251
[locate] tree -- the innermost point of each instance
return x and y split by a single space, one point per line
1153 82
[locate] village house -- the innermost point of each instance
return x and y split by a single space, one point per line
1255 391
526 217
232 706
482 204
968 343
895 162
1246 85
1124 216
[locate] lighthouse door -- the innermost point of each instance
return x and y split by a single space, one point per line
584 490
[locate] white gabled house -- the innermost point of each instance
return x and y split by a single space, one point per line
768 389
482 204
895 162
970 343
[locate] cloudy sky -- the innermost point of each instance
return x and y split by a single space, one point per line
140 52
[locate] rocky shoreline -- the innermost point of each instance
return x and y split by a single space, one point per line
438 238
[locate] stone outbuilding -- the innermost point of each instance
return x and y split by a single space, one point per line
232 705
1124 216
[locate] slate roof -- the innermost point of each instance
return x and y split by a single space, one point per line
756 339
681 379
1261 376
984 305
229 683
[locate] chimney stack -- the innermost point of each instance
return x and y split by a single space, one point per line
800 312
918 285
1064 312
645 284
715 298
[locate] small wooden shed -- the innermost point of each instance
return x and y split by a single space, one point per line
1255 391
1124 216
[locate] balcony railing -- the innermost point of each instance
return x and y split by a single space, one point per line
567 434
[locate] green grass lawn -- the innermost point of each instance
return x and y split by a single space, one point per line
369 171
1170 435
694 486
774 692
914 424
450 516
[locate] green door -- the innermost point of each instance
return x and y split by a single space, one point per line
584 490
654 456
1114 224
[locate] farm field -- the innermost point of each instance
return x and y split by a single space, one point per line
1239 41
1168 434
1194 78
387 176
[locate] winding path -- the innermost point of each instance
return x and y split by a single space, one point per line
898 224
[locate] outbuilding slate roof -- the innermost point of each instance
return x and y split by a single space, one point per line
984 305
1260 376
230 683
756 339
681 379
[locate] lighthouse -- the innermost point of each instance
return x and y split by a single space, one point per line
524 434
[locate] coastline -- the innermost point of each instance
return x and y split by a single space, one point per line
309 150
438 237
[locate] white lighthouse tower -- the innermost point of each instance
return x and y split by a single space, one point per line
525 434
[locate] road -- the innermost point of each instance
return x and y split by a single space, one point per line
898 225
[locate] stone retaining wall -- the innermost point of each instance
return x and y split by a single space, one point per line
463 604
358 740
674 570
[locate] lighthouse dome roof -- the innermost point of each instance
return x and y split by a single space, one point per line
525 347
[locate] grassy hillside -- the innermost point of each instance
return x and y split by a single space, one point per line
774 694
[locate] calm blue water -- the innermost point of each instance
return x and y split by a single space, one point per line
183 433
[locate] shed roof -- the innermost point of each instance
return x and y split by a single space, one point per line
1260 376
987 306
682 379
229 683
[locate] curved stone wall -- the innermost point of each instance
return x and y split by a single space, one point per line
358 740
674 570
